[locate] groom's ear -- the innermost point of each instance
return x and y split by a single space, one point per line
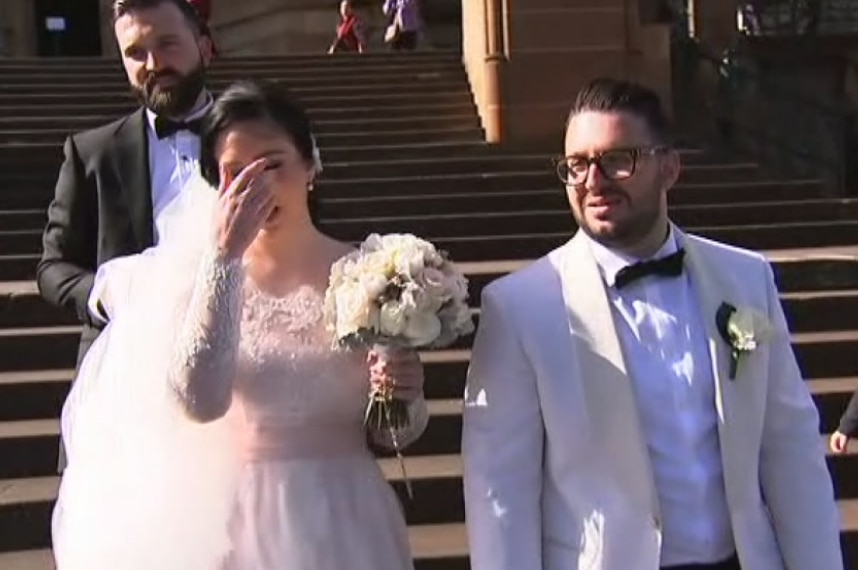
206 46
670 168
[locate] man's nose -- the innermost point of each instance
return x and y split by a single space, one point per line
152 62
595 180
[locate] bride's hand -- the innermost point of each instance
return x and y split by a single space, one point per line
244 203
401 368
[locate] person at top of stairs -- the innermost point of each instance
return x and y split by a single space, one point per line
116 180
350 34
633 401
405 24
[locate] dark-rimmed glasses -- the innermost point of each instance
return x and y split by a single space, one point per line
614 165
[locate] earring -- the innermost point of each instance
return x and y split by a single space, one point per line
310 187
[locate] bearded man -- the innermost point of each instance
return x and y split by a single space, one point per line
117 180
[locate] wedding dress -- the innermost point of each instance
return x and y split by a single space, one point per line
283 480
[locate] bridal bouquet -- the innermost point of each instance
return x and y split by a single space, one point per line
396 290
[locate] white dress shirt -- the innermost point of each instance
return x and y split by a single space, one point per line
660 329
173 162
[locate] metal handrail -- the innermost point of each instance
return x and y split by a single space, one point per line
760 115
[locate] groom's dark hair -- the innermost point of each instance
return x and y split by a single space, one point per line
608 95
123 7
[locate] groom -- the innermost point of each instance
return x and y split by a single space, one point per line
605 427
117 179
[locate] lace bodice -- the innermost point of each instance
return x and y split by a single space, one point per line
272 364
290 379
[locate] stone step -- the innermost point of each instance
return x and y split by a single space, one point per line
477 183
396 77
47 157
413 83
362 70
33 358
436 134
64 114
816 283
345 170
328 101
508 210
434 547
433 92
29 447
367 72
226 61
27 506
481 236
809 269
338 125
38 394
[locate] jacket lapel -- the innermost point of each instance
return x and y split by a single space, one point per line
132 169
711 290
608 389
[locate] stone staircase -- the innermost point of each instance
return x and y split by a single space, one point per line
403 151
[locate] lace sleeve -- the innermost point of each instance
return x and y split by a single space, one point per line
418 415
204 364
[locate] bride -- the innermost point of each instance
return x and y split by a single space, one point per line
213 426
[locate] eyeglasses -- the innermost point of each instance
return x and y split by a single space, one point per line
616 164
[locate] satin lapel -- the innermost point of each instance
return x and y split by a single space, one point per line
711 290
608 389
132 169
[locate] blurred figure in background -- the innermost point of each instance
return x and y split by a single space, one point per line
405 24
350 35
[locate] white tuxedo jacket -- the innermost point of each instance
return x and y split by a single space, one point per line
557 473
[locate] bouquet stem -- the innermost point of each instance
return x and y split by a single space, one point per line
387 413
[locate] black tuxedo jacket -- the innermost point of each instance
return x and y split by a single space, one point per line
102 209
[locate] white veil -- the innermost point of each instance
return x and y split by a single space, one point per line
145 488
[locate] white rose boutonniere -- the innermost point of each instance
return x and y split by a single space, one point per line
743 329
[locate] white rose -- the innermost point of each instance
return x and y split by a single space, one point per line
749 327
353 310
423 328
411 298
373 284
409 262
373 242
392 319
456 284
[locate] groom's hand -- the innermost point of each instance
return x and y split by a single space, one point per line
244 203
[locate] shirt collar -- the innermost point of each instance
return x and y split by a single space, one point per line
611 261
151 115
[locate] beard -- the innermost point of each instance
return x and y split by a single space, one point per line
174 100
636 225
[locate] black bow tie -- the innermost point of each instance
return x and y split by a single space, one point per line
165 127
668 266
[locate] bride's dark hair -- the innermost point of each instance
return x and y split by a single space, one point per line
257 101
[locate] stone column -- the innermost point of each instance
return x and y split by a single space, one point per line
535 55
108 36
18 28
